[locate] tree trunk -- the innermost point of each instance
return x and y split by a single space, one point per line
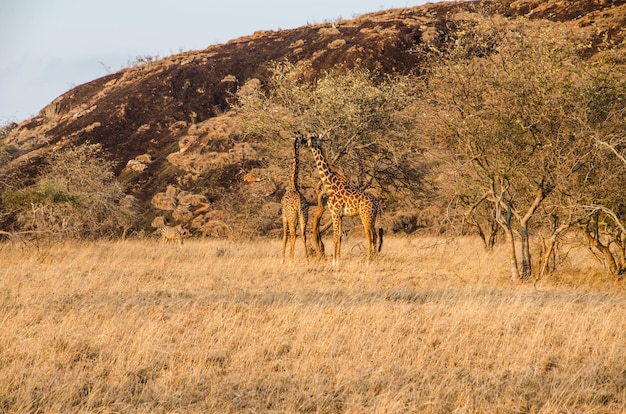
489 235
549 252
606 252
318 244
527 268
547 256
510 240
505 223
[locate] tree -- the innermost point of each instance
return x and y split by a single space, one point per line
515 109
603 192
364 119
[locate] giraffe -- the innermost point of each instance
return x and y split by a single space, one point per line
346 200
295 208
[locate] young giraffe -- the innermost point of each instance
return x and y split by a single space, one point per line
346 200
295 207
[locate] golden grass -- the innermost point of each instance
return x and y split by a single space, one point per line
218 326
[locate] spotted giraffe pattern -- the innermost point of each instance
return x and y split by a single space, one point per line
344 200
295 208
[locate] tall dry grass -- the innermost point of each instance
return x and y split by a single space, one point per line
217 326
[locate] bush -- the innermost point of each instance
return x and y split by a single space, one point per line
76 195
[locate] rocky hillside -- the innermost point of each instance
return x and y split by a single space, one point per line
179 149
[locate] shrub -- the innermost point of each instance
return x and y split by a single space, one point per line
76 195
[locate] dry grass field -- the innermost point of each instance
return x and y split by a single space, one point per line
219 326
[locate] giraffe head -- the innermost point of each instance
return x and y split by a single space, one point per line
301 139
312 140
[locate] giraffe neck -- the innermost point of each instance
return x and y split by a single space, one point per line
324 169
296 162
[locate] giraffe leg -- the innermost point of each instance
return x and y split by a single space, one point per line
374 242
368 234
284 236
337 239
369 216
292 237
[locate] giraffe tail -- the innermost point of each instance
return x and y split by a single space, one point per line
380 229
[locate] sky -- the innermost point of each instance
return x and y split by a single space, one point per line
48 47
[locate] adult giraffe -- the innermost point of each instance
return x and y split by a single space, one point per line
345 200
295 207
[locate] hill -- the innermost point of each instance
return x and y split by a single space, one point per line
172 119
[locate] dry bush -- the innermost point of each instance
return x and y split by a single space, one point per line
219 326
75 195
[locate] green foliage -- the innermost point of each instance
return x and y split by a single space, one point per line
23 198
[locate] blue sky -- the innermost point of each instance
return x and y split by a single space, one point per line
49 46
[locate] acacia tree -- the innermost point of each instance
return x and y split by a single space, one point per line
511 108
603 192
364 120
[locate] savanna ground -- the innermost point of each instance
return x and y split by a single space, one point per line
221 326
